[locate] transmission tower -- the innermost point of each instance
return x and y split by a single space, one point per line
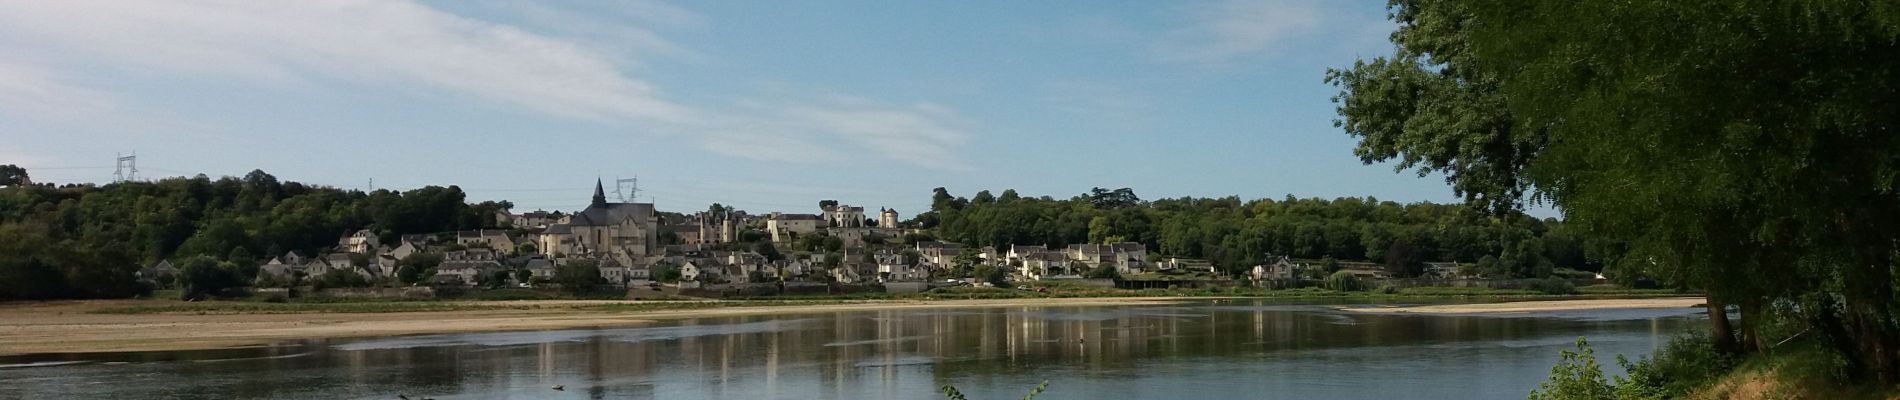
127 168
628 188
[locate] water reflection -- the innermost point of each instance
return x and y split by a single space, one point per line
1251 349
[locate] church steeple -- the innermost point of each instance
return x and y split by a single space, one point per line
600 193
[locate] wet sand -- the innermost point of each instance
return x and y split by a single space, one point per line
1519 307
70 327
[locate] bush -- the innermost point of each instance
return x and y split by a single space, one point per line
1553 285
1343 281
1576 377
1688 362
1387 289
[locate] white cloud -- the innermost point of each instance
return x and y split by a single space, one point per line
357 41
1221 32
568 72
29 92
922 134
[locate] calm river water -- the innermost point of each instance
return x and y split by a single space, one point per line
1245 349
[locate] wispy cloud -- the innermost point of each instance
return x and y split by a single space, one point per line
922 134
30 92
371 42
1224 31
1096 101
560 61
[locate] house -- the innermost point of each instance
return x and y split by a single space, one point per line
891 267
1050 265
467 265
536 219
279 272
362 241
690 271
1281 269
939 253
786 228
887 218
605 228
290 258
163 272
1186 264
1127 257
1441 270
486 238
540 268
843 216
404 250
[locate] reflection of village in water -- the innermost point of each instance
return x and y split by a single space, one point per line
907 353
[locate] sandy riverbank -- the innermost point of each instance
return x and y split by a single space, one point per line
71 327
1519 307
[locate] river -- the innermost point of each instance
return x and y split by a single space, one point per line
1202 350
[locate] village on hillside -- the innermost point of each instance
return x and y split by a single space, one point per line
722 250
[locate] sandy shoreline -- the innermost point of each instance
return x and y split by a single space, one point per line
69 327
1519 307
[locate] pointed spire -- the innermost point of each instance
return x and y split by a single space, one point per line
600 193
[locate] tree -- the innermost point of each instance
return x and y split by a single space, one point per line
13 175
524 275
205 277
993 274
1104 271
579 276
827 204
417 267
768 250
339 278
1628 117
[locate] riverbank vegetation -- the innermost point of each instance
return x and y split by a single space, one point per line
86 241
521 299
1744 148
1235 234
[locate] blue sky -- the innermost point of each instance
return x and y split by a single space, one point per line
763 105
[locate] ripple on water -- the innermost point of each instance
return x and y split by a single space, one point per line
641 334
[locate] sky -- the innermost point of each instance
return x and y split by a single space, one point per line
768 106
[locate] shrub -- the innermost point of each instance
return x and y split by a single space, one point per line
1388 289
1553 285
1343 281
1576 377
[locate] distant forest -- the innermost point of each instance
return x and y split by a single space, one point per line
1236 234
86 241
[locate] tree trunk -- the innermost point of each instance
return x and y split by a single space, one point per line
1750 319
1720 332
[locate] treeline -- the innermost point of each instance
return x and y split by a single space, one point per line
85 241
1236 234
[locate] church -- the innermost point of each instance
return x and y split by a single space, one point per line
626 233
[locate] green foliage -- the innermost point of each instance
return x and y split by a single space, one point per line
339 278
204 277
13 175
36 263
1104 271
1553 285
1344 281
1576 377
417 268
992 274
1236 234
1629 117
578 276
100 233
1690 361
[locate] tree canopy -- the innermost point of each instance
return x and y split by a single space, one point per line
1742 147
92 237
